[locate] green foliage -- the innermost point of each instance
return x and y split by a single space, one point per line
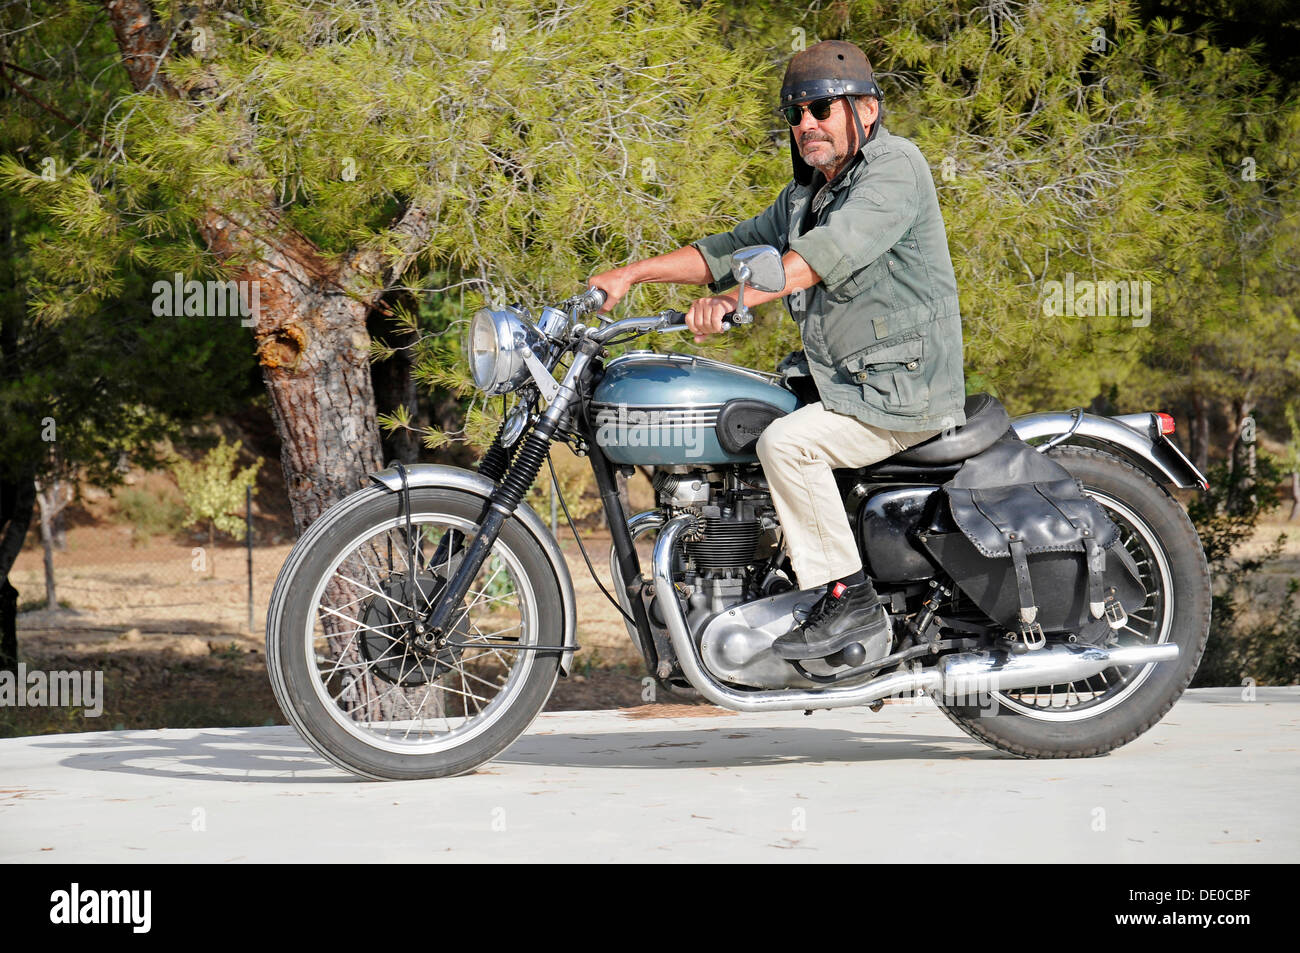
212 493
1254 629
1067 137
540 141
85 365
150 514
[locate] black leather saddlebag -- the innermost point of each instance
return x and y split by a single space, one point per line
1036 555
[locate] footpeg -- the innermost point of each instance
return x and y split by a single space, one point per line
852 655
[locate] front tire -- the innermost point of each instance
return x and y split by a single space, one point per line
337 655
1100 714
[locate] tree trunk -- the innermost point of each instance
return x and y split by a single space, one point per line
1295 496
45 490
17 500
1200 432
311 327
1234 432
17 491
315 362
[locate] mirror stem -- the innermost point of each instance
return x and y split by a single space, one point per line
742 312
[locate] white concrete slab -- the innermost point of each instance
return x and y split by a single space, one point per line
1217 780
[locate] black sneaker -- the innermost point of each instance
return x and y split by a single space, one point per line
845 614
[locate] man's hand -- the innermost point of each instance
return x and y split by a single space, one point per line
615 283
706 314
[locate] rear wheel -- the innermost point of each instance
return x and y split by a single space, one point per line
340 650
1097 714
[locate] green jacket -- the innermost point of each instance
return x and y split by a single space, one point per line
882 330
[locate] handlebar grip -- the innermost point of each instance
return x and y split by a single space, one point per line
679 320
594 299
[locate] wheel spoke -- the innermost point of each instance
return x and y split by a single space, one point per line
1147 625
376 683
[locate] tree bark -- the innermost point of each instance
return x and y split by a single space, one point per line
1200 432
17 500
1295 496
62 492
44 491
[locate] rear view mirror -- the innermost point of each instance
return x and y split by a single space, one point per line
759 266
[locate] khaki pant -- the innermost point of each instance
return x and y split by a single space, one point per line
798 452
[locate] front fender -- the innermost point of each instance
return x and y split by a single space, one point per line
433 474
1136 437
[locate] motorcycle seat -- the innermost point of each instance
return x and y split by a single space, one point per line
986 421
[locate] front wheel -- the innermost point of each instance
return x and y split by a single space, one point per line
1097 714
340 649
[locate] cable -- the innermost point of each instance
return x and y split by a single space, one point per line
583 549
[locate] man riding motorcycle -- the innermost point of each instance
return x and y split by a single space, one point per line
871 285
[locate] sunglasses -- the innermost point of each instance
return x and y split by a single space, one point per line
820 109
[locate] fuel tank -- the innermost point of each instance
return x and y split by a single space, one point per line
662 409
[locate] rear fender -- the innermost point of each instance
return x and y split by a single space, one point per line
432 474
1135 437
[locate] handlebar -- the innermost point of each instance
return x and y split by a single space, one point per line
665 322
592 300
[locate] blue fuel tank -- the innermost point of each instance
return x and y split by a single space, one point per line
662 409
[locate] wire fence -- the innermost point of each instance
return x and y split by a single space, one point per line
112 577
115 582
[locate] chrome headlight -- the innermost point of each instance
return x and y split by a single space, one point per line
495 349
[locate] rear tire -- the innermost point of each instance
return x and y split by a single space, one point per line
1134 698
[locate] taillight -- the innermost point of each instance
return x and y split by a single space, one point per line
1166 423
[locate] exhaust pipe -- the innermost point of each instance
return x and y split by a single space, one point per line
959 675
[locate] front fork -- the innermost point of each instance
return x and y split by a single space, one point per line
434 630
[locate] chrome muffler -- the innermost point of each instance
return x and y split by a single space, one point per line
962 675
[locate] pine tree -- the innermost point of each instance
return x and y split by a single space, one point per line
336 152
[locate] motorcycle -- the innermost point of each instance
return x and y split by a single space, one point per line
1044 586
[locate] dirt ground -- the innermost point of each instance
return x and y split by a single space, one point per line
171 633
173 639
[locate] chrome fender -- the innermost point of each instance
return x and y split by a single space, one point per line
1135 437
433 474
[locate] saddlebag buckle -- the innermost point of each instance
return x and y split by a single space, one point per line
1030 636
1116 617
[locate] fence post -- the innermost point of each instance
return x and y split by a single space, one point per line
248 538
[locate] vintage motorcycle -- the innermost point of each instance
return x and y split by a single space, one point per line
1052 597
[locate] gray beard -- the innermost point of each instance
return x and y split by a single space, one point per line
825 167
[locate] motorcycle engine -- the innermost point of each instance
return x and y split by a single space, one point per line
740 594
736 558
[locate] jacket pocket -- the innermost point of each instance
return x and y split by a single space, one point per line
865 279
892 375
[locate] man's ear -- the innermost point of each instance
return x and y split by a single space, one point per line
868 110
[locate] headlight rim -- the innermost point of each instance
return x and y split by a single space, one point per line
512 332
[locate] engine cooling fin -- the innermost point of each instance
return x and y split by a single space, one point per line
725 544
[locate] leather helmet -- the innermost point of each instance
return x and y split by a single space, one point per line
825 69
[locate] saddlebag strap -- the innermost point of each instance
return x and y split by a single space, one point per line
1096 574
1028 605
